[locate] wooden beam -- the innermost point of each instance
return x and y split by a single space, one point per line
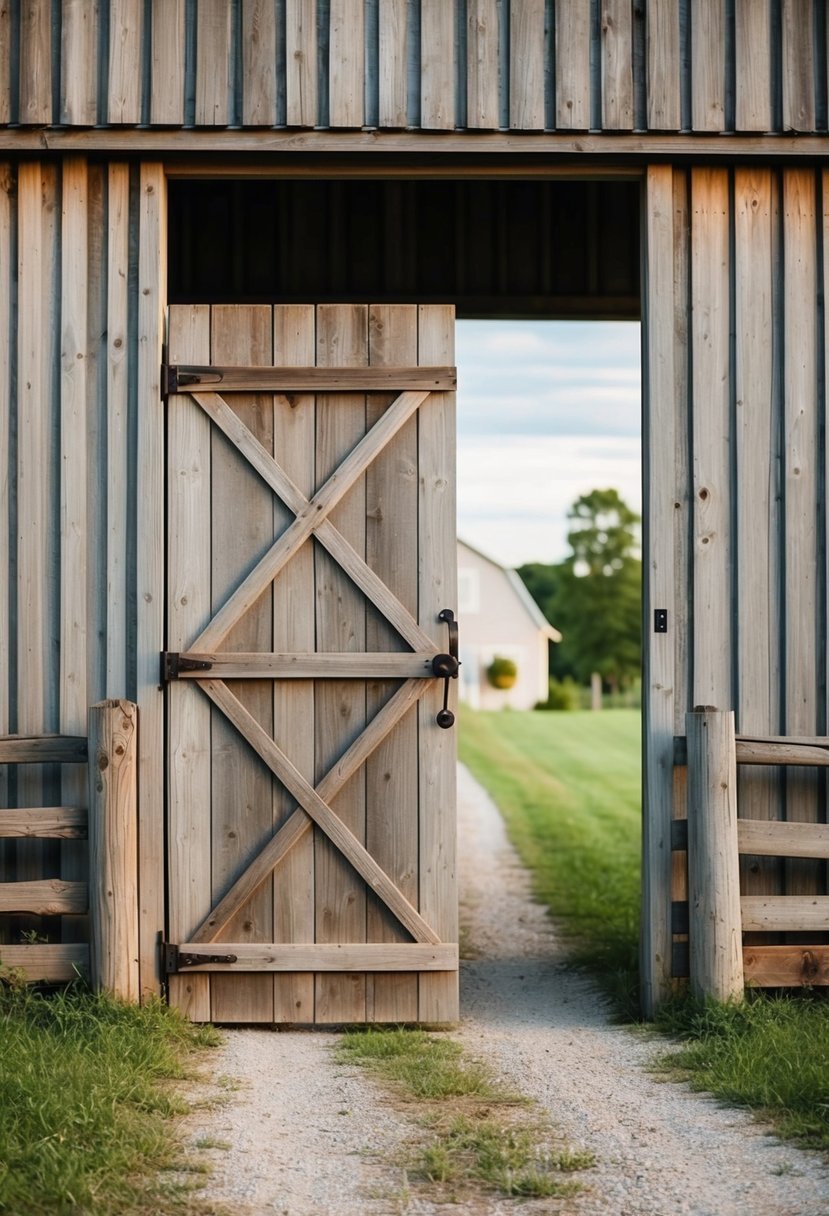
388 956
313 379
785 913
786 966
43 749
48 822
769 838
51 964
318 666
713 861
44 897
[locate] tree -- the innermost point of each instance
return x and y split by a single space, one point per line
594 596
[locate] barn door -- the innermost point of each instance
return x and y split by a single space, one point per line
311 556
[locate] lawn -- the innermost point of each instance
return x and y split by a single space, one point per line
568 786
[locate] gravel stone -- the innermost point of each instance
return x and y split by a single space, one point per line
310 1137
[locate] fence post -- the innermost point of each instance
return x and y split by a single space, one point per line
715 927
113 848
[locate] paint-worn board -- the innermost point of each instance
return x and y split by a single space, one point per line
376 868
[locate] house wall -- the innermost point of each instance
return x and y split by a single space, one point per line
523 65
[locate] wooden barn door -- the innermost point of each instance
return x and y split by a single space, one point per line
311 551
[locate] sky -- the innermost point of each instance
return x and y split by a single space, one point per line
547 410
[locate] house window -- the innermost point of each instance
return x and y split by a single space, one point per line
469 591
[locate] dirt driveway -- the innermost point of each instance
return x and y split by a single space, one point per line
305 1136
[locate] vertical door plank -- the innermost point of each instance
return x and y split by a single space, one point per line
391 773
800 472
660 586
437 577
708 65
301 62
167 90
259 63
757 497
663 67
347 64
126 31
393 38
188 599
7 184
75 518
617 65
241 530
526 75
798 66
213 63
36 590
482 39
572 65
117 388
753 65
437 65
152 279
294 345
711 471
5 63
79 63
342 340
35 62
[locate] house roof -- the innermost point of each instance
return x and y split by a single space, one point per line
519 587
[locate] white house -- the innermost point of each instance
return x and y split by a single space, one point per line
498 616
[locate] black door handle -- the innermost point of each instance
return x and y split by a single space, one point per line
445 666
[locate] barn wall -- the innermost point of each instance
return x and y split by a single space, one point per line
735 460
524 65
80 447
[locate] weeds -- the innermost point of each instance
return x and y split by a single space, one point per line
83 1116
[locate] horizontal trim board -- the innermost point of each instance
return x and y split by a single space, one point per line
324 957
47 822
44 897
179 140
322 666
54 964
767 838
43 749
802 752
786 966
785 913
183 379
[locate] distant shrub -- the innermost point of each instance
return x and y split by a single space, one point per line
562 695
502 673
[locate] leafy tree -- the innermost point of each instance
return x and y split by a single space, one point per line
594 596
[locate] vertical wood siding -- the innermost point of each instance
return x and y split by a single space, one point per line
741 65
748 559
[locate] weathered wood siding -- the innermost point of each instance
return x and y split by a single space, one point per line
523 65
80 446
735 460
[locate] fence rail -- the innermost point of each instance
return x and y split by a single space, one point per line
715 915
110 895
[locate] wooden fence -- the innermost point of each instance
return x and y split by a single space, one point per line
716 914
109 896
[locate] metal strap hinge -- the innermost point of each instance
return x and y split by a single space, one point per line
173 663
176 960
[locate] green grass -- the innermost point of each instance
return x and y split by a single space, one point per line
569 788
84 1109
481 1136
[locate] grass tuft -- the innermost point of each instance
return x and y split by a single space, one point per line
83 1114
421 1064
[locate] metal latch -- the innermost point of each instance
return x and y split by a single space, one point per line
445 666
174 378
176 960
173 663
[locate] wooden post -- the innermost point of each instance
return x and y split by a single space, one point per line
713 864
595 691
113 848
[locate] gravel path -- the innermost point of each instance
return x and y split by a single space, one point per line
308 1137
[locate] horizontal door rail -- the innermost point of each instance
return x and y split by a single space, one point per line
45 897
768 838
269 956
319 666
46 822
177 378
43 749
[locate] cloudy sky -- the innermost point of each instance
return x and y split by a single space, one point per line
546 411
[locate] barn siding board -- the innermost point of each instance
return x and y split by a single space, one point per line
527 69
301 62
260 34
35 71
617 65
79 56
437 64
798 65
708 42
572 65
752 49
393 36
126 37
167 62
663 83
482 64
